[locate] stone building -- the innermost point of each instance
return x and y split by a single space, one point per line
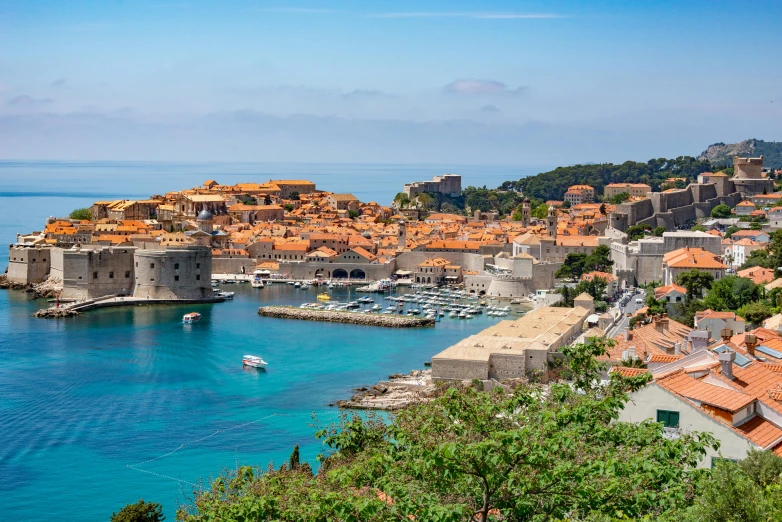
174 273
748 176
633 189
448 184
510 349
28 264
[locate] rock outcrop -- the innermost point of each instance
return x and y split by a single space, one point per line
397 392
391 321
55 313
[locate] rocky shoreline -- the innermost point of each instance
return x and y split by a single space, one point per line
398 392
46 290
390 321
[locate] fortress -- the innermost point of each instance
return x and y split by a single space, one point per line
180 272
680 207
448 184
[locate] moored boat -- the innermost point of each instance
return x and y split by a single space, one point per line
191 318
254 361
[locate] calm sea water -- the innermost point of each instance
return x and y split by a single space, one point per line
83 399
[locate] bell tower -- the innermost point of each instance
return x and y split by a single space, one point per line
401 236
525 212
551 223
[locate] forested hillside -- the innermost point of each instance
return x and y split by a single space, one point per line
554 184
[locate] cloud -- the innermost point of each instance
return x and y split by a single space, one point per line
27 101
363 94
58 83
490 109
474 86
473 15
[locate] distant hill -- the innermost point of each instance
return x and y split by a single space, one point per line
721 154
553 184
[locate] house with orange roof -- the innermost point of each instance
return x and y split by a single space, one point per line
610 279
577 194
432 271
670 294
755 235
736 397
758 275
744 208
633 189
685 259
290 250
714 322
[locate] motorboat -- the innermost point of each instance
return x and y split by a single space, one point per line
453 314
256 283
225 295
192 317
324 297
376 308
297 284
254 361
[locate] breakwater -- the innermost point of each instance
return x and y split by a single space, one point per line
329 316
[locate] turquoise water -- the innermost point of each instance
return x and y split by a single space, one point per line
82 399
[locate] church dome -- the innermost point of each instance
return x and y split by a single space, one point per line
205 215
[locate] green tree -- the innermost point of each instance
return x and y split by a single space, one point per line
721 211
731 292
522 454
294 196
83 214
698 228
618 199
764 467
352 214
139 512
401 200
294 460
728 494
655 306
730 230
695 281
603 208
572 267
289 207
595 287
759 258
659 231
636 232
267 200
599 259
754 313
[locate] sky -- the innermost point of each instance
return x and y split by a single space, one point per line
474 82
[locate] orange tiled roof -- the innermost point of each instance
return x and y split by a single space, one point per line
725 398
693 258
760 431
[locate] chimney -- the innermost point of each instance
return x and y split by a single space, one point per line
661 323
677 348
726 334
726 360
631 353
628 335
751 341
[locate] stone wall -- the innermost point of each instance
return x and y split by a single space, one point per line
88 273
225 265
28 265
324 270
458 369
468 261
174 273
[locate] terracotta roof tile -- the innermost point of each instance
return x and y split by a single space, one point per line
686 386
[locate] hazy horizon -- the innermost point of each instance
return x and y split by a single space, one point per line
461 82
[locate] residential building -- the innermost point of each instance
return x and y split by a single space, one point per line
742 249
670 295
745 208
578 194
432 271
343 202
633 189
685 259
758 275
715 322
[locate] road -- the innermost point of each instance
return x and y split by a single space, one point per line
630 308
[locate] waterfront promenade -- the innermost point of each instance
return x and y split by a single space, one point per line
344 317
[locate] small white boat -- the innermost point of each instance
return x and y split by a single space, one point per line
376 308
254 361
192 317
225 295
257 282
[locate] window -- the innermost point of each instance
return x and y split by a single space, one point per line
198 277
176 278
151 278
111 275
176 266
95 275
152 265
198 265
127 275
670 419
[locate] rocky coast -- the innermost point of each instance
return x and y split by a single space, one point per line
396 393
391 321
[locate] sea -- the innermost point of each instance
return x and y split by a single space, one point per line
115 405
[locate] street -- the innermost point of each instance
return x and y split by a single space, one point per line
630 308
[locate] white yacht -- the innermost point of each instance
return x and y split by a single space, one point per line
254 361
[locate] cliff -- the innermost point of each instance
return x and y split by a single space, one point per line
721 154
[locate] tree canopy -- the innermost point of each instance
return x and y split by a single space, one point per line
553 184
695 281
139 512
83 214
721 211
521 454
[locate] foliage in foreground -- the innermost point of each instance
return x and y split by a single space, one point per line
139 512
532 454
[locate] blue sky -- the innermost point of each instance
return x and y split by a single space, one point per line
474 82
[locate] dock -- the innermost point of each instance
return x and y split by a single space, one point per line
78 307
331 316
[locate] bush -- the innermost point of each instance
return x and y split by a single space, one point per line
139 512
83 214
721 211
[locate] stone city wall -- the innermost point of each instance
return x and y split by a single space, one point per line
174 273
28 265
